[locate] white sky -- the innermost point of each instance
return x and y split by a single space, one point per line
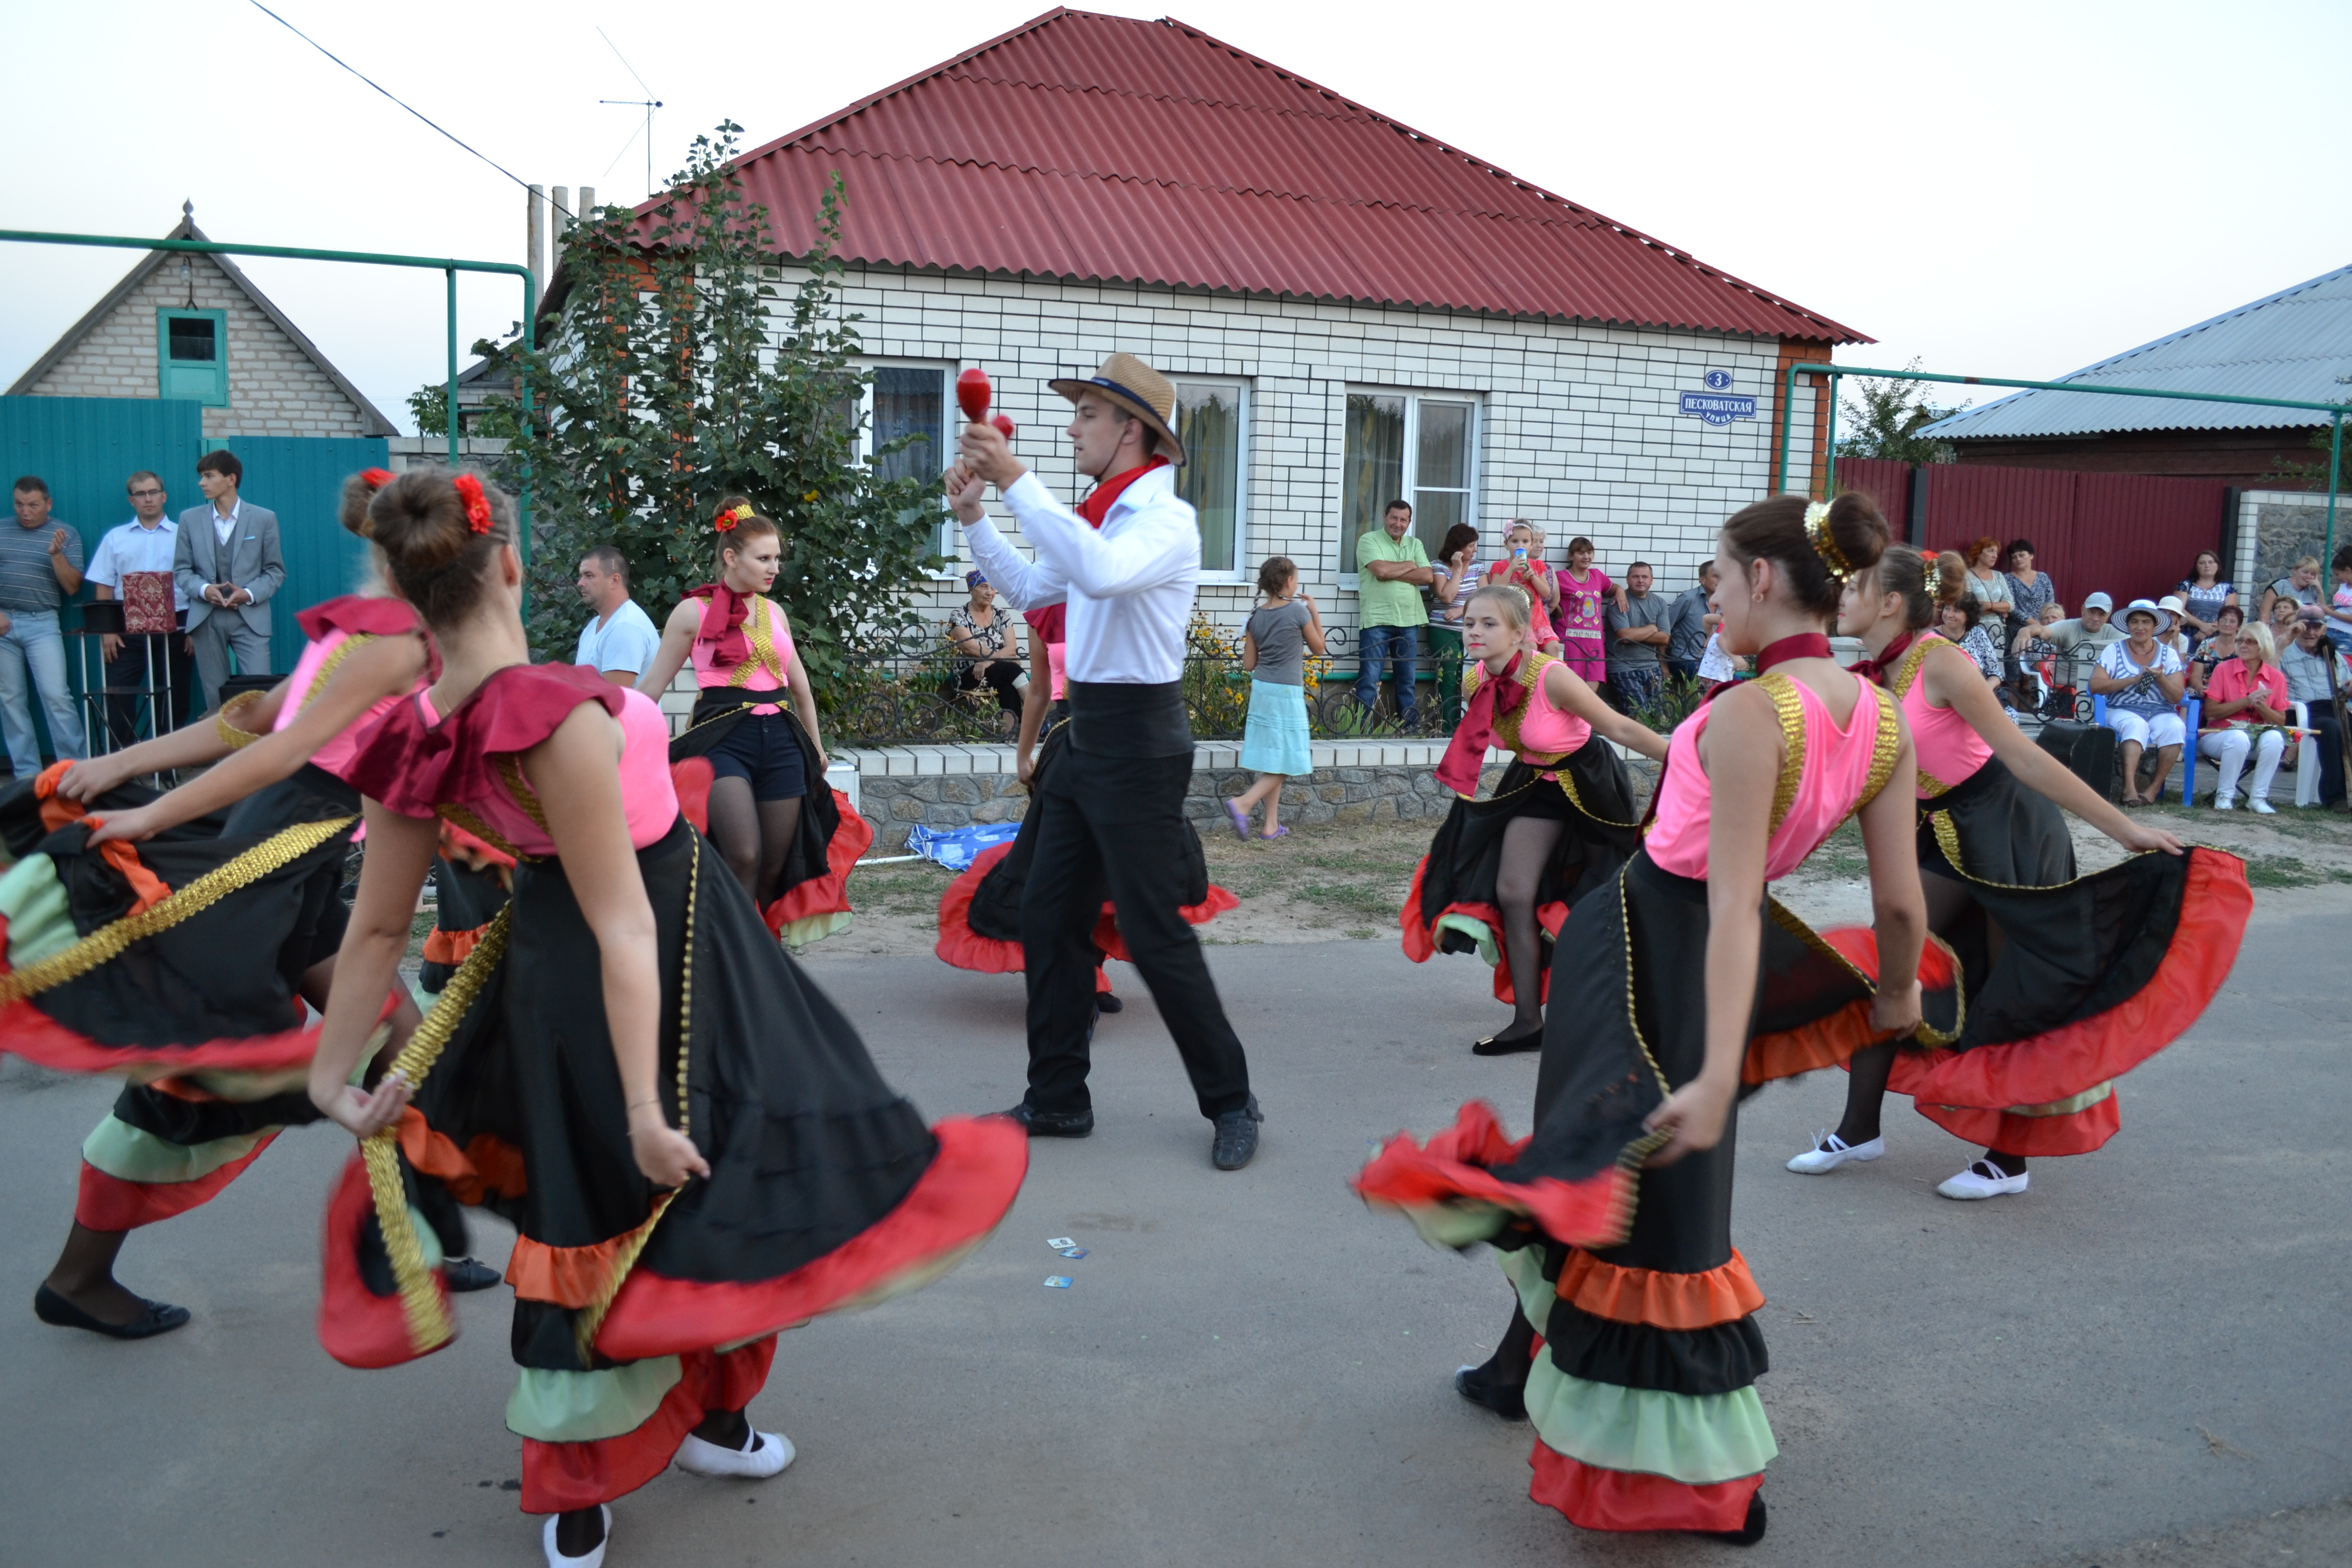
1996 188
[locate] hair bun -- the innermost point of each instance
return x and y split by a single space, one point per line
1953 577
419 521
1861 533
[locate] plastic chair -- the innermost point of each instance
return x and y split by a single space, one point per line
2189 708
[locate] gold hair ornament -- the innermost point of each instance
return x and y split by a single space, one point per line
1818 535
1931 577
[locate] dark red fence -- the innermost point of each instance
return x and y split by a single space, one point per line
2123 534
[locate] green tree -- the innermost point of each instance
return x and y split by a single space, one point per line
1885 418
669 382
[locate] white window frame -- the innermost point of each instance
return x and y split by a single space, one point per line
1410 486
1243 389
952 540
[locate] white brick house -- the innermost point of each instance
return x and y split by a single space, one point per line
1352 311
183 324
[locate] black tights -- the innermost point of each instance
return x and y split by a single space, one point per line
1528 845
1513 1358
755 837
1947 901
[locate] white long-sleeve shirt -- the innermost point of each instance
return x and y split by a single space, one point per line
1129 587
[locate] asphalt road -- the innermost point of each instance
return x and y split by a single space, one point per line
1252 1369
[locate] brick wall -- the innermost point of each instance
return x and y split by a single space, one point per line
1579 425
274 389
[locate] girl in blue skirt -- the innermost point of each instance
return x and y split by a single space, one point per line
1280 635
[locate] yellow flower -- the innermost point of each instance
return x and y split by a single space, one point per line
811 496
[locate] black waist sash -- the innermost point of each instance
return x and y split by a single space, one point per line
1119 720
1989 776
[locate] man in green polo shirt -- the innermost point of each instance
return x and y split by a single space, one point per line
1392 570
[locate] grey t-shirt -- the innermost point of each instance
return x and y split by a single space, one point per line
1652 609
1280 633
1688 627
28 583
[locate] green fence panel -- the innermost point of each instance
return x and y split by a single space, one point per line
300 478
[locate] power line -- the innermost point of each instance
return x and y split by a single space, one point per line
322 48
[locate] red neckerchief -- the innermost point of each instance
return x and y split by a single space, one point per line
1097 506
1466 755
1883 667
722 622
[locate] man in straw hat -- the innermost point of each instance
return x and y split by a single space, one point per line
1125 563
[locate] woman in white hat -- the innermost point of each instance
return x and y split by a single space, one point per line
2142 679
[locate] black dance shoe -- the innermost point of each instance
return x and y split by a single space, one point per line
464 1274
1106 1003
1237 1138
1507 1045
1052 1123
154 1317
1750 1534
1508 1400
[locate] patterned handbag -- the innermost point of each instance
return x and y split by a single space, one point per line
147 602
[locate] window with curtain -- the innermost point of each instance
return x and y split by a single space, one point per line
1210 417
1403 445
912 400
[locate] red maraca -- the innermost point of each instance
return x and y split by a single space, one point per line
1003 422
973 395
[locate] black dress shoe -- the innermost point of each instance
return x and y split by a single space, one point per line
1506 1045
1237 1138
154 1317
1508 1400
1052 1123
464 1274
1106 1003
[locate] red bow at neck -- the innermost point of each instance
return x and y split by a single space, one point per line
722 622
1882 669
1097 504
1497 697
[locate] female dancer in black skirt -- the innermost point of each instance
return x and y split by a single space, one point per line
1691 988
787 836
2071 980
688 1136
202 1017
1503 873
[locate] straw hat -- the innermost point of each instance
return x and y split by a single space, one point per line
1135 386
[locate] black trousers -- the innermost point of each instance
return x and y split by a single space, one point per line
999 678
1111 827
2331 752
173 670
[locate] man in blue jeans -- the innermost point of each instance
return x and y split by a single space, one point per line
1392 570
40 566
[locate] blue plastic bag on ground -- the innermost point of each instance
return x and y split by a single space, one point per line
957 847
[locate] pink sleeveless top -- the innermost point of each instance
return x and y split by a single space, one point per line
648 799
1949 749
771 656
1546 733
307 681
1826 774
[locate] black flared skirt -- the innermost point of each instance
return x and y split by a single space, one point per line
1451 907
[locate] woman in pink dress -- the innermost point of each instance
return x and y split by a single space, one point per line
688 1136
1692 988
1583 588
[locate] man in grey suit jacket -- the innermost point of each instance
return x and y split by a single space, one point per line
226 564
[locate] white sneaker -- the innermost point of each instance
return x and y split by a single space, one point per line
1983 1179
1829 1151
2262 808
2224 803
594 1559
764 1455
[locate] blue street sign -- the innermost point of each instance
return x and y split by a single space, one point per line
1718 380
1718 408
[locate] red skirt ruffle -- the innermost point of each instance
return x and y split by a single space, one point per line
1624 1499
828 894
1421 941
965 948
559 1477
106 1202
1455 1165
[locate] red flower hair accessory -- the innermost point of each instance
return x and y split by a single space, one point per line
477 505
376 479
726 520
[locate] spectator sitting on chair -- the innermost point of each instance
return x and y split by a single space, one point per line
40 566
2282 619
2305 663
2142 681
620 639
2037 656
1637 635
1391 569
1964 623
989 647
1689 625
2177 639
2300 585
2249 689
155 663
2205 592
2083 639
2222 644
2339 603
226 564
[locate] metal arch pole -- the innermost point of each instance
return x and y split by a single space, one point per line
2335 479
450 412
1787 426
1829 442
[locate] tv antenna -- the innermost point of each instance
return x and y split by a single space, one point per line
648 103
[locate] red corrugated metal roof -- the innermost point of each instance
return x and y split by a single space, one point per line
1105 148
